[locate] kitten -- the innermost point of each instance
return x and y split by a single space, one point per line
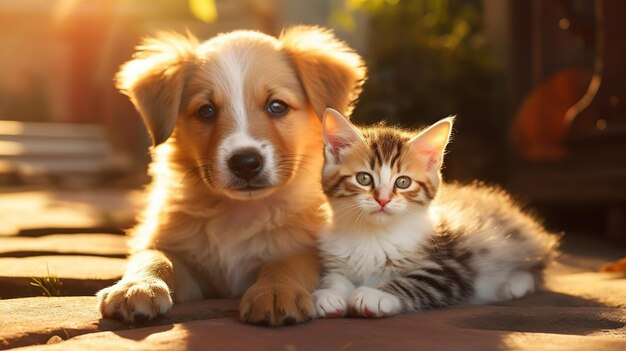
400 241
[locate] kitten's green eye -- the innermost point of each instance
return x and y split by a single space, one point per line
363 178
403 182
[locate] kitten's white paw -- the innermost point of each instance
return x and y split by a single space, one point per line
135 301
328 304
373 303
520 284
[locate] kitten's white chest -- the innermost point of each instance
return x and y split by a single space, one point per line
371 257
364 261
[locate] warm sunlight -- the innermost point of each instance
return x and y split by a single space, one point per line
312 175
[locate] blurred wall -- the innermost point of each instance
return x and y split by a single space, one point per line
59 57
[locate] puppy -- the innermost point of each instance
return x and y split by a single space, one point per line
236 201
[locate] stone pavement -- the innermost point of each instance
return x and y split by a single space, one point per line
40 212
35 320
212 325
74 236
94 244
582 309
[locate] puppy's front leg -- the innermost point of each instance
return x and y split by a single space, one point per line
144 291
282 293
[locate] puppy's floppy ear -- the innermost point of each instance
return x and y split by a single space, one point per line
154 80
331 72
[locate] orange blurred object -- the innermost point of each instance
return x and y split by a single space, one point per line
539 128
616 266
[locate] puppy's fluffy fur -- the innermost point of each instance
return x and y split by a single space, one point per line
203 234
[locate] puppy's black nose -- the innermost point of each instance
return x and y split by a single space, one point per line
245 164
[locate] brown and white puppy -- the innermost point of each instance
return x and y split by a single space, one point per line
236 198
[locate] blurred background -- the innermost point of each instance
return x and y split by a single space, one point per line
539 88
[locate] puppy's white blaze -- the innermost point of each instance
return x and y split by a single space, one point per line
241 140
269 157
228 147
234 66
238 141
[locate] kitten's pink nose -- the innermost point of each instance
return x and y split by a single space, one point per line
382 202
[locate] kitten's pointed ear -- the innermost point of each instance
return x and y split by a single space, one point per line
430 144
339 133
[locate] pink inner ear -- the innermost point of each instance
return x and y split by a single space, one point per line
336 145
432 157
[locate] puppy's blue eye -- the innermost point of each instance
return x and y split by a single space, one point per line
206 112
277 108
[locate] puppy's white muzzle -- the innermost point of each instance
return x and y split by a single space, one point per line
246 165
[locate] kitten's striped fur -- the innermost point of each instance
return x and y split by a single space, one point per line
389 249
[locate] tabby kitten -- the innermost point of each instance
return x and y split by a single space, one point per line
400 241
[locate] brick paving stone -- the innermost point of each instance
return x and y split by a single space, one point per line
547 320
586 289
37 210
444 329
36 320
582 311
607 289
107 245
80 275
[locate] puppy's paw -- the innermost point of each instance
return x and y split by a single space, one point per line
328 304
276 304
373 303
135 301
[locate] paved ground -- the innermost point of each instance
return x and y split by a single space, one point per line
32 213
582 309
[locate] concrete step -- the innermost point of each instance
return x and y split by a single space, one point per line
64 131
78 275
39 210
34 320
443 329
30 150
105 245
574 317
33 152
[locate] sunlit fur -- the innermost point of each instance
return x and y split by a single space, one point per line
356 203
385 153
432 244
217 234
